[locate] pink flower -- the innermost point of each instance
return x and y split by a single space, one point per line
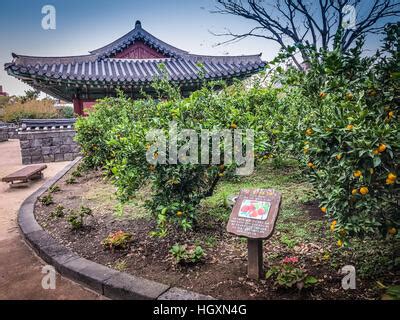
290 260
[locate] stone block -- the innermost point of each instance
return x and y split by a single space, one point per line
35 151
181 294
26 160
36 143
68 156
128 287
57 141
48 158
58 157
25 144
55 149
47 142
65 149
37 159
46 151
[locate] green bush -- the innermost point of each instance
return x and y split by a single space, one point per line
184 254
113 136
348 136
58 212
290 273
339 119
77 218
46 200
66 112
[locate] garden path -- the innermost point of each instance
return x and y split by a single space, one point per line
20 268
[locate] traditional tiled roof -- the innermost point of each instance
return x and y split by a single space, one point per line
101 67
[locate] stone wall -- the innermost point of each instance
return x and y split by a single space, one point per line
3 134
12 131
48 146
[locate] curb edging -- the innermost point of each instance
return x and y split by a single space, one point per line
103 280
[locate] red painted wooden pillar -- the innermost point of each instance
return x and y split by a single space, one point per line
78 106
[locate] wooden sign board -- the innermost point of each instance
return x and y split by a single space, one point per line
254 213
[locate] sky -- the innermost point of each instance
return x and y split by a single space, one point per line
84 25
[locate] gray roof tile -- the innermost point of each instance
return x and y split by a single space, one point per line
99 66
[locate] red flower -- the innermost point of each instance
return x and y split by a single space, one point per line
290 260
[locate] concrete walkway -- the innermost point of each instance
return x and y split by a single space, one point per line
20 268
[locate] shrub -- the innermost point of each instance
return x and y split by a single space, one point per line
54 189
76 174
184 254
348 137
70 180
113 136
46 200
4 100
76 218
32 109
66 112
117 240
95 130
288 274
58 212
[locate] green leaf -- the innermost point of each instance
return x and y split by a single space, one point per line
377 161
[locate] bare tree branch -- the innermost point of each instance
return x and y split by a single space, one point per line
319 25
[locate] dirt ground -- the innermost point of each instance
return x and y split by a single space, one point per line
20 268
223 272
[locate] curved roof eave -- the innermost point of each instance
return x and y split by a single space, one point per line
136 33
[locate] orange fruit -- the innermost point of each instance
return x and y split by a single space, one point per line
354 192
375 151
339 156
381 148
323 209
349 127
392 176
364 190
333 225
357 173
388 181
391 114
392 231
310 164
309 132
322 94
340 243
233 126
179 213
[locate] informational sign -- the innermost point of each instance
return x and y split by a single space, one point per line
254 213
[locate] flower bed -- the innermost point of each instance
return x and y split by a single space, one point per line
301 245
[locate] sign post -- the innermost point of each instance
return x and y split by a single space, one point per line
254 216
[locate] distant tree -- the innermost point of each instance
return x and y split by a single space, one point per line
326 24
29 95
4 100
